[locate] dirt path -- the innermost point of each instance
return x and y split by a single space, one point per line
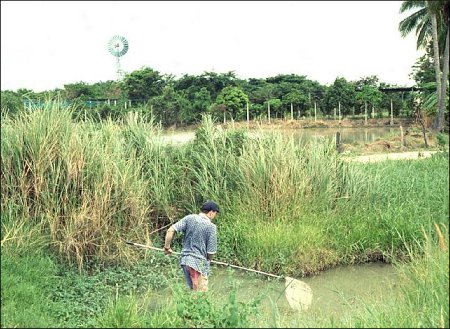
392 156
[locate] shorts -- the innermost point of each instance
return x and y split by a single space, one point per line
194 279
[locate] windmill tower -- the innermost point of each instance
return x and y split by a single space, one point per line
118 46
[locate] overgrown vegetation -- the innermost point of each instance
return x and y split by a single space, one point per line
71 191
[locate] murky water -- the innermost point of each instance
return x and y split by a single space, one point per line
348 135
335 292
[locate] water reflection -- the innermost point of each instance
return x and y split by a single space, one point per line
348 135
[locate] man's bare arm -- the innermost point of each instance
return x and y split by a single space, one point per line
168 240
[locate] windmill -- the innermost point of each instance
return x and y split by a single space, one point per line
118 46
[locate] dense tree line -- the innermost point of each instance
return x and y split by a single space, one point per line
182 101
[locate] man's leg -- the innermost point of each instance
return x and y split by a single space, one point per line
187 276
199 281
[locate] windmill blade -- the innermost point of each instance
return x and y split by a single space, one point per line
118 46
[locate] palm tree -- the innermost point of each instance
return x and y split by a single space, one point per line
431 23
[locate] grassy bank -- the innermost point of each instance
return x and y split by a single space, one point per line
38 291
72 191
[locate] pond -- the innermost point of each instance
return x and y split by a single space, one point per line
348 135
335 293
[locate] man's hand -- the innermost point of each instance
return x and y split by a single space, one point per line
168 251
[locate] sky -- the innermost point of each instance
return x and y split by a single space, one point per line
47 44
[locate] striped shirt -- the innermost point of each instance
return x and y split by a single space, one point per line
199 239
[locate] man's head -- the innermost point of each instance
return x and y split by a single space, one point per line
210 208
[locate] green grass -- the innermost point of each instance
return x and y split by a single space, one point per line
50 295
72 191
26 280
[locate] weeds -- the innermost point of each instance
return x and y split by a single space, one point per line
77 189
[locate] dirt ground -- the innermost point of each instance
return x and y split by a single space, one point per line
391 156
328 123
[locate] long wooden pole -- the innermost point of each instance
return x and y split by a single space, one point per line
298 293
212 261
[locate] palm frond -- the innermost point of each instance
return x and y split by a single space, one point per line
411 4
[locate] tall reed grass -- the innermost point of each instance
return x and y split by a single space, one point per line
78 188
292 208
75 180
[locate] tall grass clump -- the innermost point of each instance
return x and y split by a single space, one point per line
402 196
281 179
283 192
211 163
426 280
159 166
29 155
77 181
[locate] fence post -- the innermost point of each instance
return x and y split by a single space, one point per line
248 114
402 141
315 111
339 111
338 142
392 113
365 113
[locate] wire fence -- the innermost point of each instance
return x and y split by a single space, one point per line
90 103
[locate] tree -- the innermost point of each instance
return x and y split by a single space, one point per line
424 76
11 102
341 91
367 93
80 90
200 104
234 100
108 90
170 107
298 100
275 106
258 90
431 23
216 82
144 84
